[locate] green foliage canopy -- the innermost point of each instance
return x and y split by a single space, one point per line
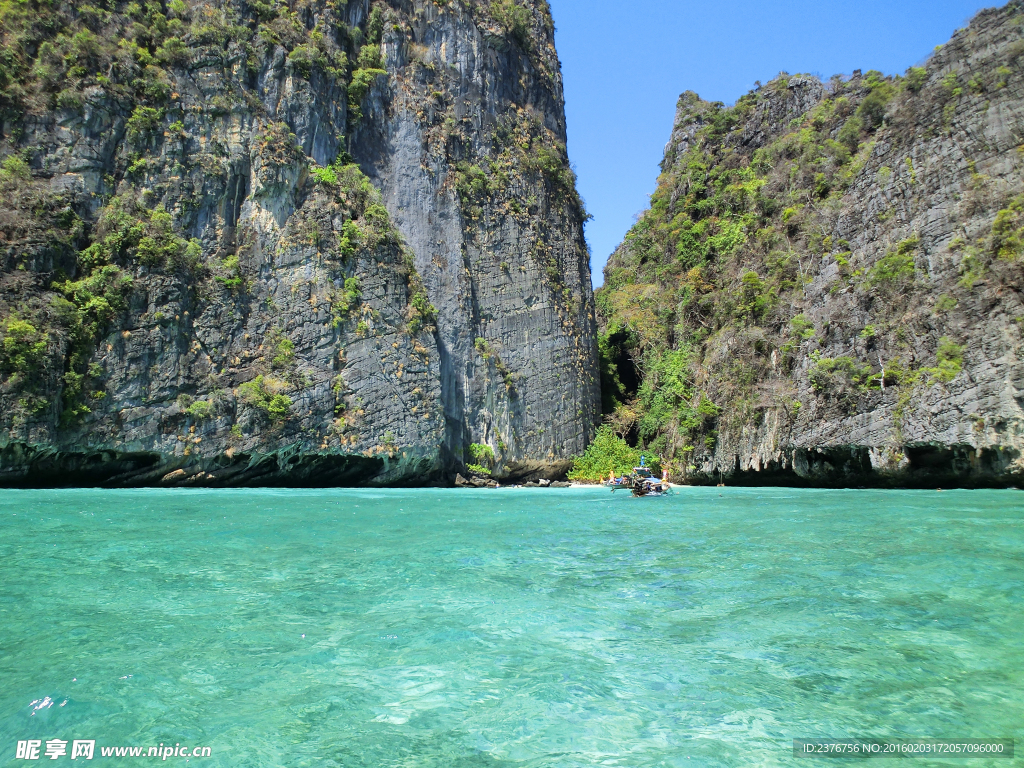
607 453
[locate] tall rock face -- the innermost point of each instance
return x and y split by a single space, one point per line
267 243
827 287
467 144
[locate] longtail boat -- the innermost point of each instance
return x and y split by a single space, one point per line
641 481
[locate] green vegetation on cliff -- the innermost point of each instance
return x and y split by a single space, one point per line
778 266
200 262
100 251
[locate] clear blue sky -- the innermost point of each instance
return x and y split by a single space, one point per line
625 64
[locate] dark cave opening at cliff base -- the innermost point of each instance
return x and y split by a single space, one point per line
23 466
928 467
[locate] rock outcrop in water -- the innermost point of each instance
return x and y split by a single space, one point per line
288 243
827 286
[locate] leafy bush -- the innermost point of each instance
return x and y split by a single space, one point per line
420 313
872 109
482 455
915 79
86 307
951 85
173 52
375 25
471 183
1007 238
143 121
515 19
351 187
199 410
755 296
304 57
24 347
161 245
832 374
129 230
282 351
376 215
215 26
358 87
849 134
483 347
950 361
256 394
266 10
94 301
608 453
896 266
801 327
423 312
370 57
552 163
972 267
350 240
344 300
325 175
13 171
233 279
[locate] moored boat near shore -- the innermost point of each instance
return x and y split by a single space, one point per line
641 481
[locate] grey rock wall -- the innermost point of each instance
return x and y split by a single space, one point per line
212 371
943 165
517 359
937 178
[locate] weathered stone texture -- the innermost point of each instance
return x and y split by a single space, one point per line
379 393
945 161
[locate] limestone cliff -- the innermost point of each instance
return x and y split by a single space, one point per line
827 286
313 242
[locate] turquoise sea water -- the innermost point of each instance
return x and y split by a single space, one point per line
509 628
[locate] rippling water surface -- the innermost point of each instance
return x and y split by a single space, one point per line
510 627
